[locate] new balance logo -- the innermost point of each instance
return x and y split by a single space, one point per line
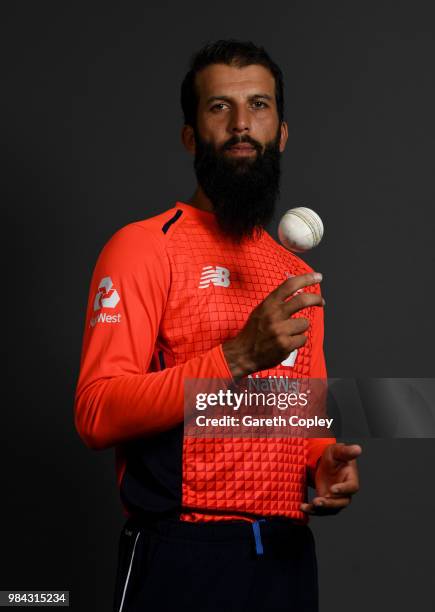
217 275
106 297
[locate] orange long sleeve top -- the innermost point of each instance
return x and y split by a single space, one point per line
166 293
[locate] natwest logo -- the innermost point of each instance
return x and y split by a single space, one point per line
103 317
106 297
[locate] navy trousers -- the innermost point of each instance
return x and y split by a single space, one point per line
231 566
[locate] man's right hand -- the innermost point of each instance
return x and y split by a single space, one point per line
270 334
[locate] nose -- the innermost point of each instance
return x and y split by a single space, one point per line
239 121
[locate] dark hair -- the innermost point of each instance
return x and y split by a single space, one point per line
233 53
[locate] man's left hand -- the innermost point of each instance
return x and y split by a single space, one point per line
336 479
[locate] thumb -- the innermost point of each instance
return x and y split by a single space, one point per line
345 452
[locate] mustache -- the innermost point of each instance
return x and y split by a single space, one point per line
235 140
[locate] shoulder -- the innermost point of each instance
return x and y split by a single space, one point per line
161 225
143 238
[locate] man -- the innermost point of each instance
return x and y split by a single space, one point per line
203 291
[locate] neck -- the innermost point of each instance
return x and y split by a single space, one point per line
200 200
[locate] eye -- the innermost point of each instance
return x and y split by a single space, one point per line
218 107
259 104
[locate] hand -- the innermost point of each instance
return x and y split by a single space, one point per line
336 479
270 334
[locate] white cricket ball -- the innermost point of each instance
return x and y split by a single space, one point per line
300 229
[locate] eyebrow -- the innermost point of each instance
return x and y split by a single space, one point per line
228 98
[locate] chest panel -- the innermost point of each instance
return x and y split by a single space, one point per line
214 287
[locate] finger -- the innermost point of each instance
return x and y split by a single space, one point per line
328 504
291 337
301 301
346 452
297 341
296 326
345 488
324 509
290 285
320 511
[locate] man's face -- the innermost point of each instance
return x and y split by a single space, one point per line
234 103
237 143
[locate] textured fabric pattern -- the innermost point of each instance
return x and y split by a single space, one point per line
166 293
257 476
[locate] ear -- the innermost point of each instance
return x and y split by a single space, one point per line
188 138
283 137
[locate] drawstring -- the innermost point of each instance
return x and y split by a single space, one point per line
257 536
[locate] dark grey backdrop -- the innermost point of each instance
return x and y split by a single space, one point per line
92 124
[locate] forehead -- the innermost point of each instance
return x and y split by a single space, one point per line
223 80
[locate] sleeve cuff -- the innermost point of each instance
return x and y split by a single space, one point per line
222 369
315 451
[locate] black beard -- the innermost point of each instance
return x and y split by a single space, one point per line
243 191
